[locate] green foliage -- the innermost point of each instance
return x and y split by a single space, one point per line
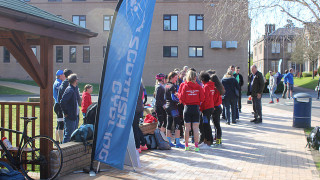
306 74
150 90
267 76
318 70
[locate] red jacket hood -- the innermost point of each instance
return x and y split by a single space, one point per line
191 94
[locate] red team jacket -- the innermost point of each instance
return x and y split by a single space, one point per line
217 97
208 94
86 101
191 94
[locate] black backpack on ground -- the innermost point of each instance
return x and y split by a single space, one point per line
151 141
313 140
91 114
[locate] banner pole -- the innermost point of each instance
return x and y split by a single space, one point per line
92 173
134 169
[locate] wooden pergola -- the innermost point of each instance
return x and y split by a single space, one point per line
23 26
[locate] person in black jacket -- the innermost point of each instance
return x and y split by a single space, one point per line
230 97
239 78
69 105
160 104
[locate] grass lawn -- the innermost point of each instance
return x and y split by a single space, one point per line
10 91
306 82
27 82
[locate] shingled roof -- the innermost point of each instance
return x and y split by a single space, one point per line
23 11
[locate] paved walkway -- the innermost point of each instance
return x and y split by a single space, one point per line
272 150
24 87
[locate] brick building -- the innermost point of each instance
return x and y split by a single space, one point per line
178 37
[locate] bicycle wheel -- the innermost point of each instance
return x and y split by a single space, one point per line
37 164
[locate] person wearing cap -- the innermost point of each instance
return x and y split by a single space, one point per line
69 105
57 109
160 104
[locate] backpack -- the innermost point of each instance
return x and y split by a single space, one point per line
162 140
9 173
151 141
313 140
83 134
90 117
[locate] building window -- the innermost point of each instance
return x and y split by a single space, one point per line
34 49
170 22
78 0
291 47
59 54
86 54
274 66
196 22
275 47
107 20
79 20
170 51
73 54
255 51
6 55
196 51
54 0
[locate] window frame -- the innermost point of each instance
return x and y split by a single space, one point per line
170 51
196 52
6 59
275 47
75 61
170 22
85 61
196 22
85 20
111 18
57 47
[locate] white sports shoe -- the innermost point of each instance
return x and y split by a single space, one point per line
205 146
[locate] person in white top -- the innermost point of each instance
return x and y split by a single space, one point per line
272 86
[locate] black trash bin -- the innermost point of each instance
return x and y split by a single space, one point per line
302 110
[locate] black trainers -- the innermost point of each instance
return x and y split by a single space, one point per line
254 120
258 122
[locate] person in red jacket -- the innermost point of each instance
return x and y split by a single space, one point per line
206 108
86 98
191 96
217 100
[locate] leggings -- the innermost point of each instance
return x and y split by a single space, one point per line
216 121
161 115
205 127
173 117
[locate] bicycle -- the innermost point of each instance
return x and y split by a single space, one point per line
29 159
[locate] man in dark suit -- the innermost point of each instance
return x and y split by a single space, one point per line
255 89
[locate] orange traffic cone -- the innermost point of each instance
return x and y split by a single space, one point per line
249 101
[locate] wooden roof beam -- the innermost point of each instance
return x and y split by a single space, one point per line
20 57
21 42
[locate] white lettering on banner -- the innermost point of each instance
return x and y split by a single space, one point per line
104 152
120 91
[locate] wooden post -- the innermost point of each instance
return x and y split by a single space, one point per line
46 99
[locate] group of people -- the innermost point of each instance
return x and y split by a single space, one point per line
67 99
275 80
191 100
